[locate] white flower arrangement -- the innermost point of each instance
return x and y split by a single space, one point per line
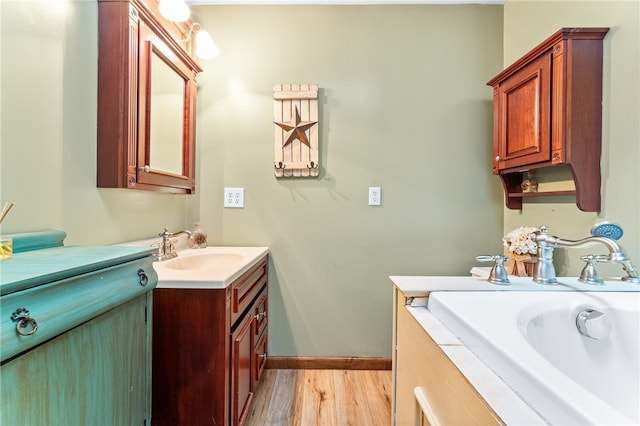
521 240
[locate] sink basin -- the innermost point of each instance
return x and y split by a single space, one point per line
205 261
210 267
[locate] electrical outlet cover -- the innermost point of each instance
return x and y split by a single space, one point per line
234 198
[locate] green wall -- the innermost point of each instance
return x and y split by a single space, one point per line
404 106
526 23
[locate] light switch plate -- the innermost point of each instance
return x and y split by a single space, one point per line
234 198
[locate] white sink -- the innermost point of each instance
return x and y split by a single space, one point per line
210 267
203 261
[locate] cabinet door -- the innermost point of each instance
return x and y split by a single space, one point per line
259 359
94 374
523 133
241 378
146 100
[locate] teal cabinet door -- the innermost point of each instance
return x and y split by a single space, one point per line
95 374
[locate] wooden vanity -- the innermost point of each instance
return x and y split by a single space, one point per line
428 387
209 350
81 355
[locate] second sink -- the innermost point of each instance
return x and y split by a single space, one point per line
210 267
203 261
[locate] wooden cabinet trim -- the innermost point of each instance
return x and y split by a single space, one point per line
596 33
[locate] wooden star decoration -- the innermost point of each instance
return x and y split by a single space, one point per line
298 129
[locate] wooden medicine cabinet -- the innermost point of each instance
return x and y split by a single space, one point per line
146 99
548 112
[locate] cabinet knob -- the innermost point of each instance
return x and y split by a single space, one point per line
146 168
26 325
498 158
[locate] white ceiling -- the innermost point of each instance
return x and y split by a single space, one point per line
341 2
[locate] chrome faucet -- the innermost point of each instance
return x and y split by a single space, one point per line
166 248
544 272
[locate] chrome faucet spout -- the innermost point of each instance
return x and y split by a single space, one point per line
166 248
616 252
544 272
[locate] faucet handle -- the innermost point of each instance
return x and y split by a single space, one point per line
589 274
497 275
498 258
165 233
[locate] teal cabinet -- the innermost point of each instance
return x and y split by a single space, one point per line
91 375
89 361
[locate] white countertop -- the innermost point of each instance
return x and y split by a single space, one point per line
210 267
216 267
420 286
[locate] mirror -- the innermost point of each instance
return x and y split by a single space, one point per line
167 105
146 99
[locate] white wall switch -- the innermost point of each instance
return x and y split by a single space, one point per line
234 198
374 196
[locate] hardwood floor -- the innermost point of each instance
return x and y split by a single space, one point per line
322 398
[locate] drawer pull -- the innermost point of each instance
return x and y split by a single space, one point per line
260 316
144 280
26 325
262 356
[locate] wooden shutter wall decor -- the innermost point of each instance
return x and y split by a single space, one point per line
295 111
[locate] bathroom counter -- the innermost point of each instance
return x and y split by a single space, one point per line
411 295
421 286
207 268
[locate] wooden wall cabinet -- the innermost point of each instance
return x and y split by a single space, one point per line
146 99
548 111
209 350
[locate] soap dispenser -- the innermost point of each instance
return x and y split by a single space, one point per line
199 236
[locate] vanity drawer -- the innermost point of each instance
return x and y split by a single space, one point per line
62 305
245 289
260 312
